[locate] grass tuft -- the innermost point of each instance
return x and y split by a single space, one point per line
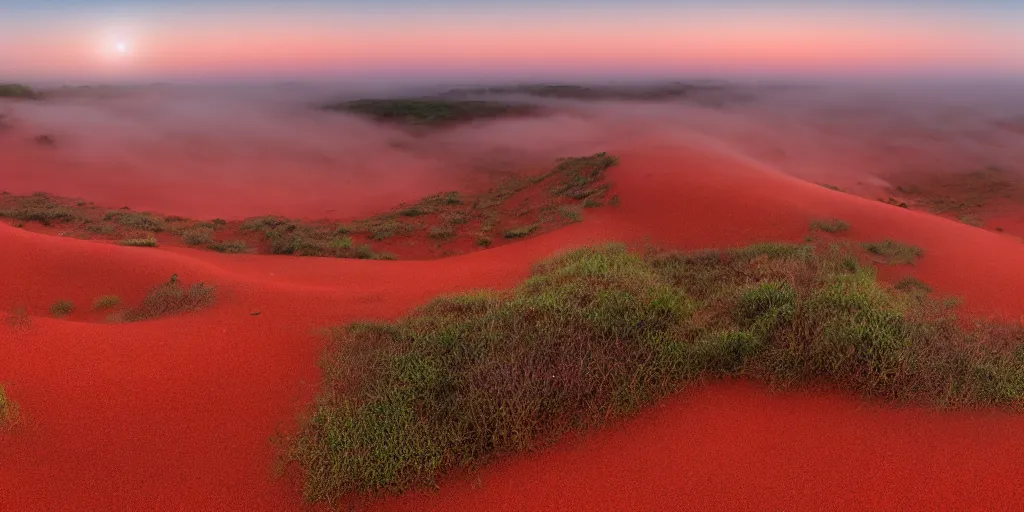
522 231
142 221
62 308
894 253
172 298
18 91
830 226
430 111
598 333
139 242
572 213
229 246
10 413
106 302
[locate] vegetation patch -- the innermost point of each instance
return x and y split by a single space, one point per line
172 298
139 242
431 111
518 206
522 231
893 252
18 91
197 235
39 207
141 221
229 246
9 412
830 225
62 308
106 302
913 286
598 333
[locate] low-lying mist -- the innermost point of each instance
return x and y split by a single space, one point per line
233 152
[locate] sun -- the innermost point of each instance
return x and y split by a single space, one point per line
121 47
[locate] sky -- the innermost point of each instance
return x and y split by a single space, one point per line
126 40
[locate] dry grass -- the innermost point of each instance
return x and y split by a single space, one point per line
10 413
139 242
62 308
172 298
598 333
894 253
229 246
106 302
830 225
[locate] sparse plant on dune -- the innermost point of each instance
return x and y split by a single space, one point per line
431 111
830 225
599 333
520 205
18 318
172 298
62 308
522 231
229 246
894 253
140 242
106 302
18 91
10 413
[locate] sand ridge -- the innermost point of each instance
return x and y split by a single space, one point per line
177 413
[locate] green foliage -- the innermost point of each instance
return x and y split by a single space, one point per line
893 252
9 411
445 232
42 208
522 231
229 246
574 214
598 333
197 235
142 221
830 226
62 308
172 298
106 302
18 91
913 285
430 112
139 242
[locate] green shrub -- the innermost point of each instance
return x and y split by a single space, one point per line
9 411
139 242
172 298
197 236
894 253
62 308
598 333
229 246
106 302
522 231
18 91
41 207
484 241
573 214
442 232
830 226
142 221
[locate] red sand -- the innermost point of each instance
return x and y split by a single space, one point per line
176 414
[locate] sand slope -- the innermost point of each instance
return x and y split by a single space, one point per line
176 414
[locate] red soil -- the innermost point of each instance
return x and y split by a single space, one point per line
176 413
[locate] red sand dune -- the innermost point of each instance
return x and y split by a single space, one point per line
177 413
